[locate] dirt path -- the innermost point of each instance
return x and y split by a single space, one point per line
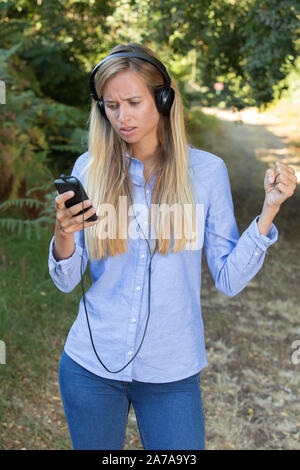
265 136
251 385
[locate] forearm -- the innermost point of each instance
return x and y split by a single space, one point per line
266 218
245 254
64 244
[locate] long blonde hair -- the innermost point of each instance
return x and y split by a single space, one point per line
105 181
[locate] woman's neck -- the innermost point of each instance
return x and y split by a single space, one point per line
148 157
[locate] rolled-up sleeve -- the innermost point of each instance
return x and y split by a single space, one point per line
233 260
67 273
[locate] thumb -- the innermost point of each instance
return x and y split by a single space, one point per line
270 175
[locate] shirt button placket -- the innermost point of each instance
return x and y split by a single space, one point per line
137 303
140 273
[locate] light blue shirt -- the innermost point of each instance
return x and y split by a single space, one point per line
117 301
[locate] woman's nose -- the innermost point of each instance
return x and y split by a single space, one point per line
123 113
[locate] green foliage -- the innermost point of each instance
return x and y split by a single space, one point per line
197 124
270 30
43 63
249 45
41 223
34 319
287 103
32 128
48 48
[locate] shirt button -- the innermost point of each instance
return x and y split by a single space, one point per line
143 256
65 272
256 253
138 288
129 353
133 320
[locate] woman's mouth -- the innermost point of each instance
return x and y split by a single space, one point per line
127 130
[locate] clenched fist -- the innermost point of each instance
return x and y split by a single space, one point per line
280 184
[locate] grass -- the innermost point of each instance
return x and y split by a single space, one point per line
35 318
197 124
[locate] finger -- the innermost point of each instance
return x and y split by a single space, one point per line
89 224
80 226
78 207
284 168
61 198
291 170
86 215
287 190
286 178
270 175
75 223
64 214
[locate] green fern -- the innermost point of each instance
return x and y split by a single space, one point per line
43 222
21 203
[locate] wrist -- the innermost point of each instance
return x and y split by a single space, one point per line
266 218
269 209
63 235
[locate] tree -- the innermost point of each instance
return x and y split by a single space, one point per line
46 51
250 45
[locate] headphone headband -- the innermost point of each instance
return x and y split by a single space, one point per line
152 60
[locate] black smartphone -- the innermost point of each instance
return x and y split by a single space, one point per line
68 183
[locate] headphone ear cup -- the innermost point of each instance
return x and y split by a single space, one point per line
164 100
102 108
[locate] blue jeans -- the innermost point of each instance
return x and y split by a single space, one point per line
169 415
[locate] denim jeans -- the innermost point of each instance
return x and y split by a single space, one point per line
169 415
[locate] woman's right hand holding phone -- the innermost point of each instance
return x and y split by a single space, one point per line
66 219
67 222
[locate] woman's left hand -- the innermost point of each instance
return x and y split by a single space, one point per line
280 184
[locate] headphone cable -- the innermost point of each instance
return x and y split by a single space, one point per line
149 269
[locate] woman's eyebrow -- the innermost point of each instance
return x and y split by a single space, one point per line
125 99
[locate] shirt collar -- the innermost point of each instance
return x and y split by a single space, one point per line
136 171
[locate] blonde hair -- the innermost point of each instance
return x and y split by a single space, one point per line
105 181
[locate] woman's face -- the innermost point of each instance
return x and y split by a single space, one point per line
131 109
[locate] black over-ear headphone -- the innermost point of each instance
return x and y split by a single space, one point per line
164 97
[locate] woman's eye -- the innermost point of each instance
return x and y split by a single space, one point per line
114 106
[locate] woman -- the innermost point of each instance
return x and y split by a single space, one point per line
116 354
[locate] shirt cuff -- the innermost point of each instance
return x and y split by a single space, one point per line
61 264
263 241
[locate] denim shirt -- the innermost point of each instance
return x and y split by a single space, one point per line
117 301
